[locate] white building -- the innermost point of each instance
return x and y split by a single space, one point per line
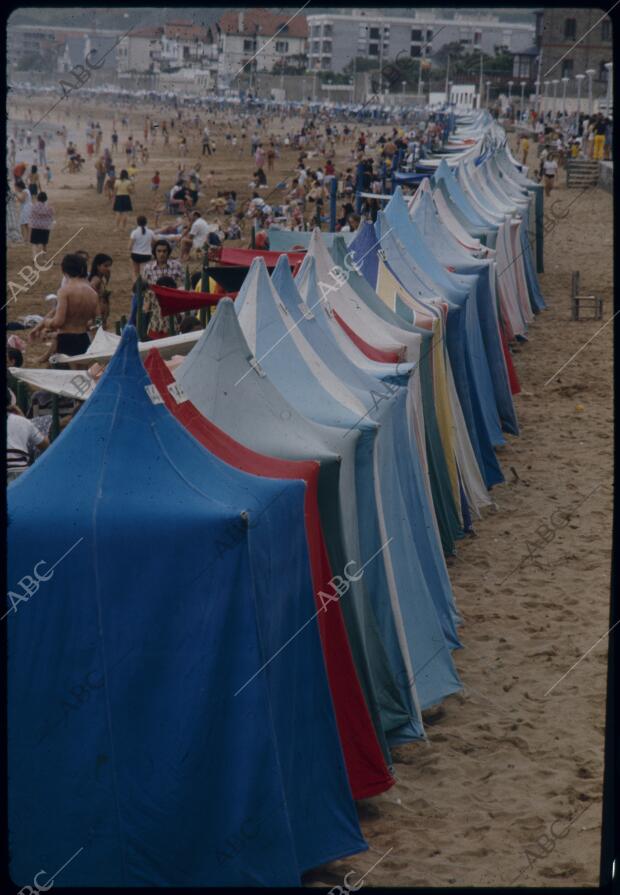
140 51
254 40
184 45
335 39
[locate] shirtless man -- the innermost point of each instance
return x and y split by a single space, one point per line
76 308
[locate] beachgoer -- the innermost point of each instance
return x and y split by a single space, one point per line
41 220
99 279
140 242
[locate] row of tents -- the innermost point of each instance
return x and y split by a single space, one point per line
236 560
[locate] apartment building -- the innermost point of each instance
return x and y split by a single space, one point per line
140 51
254 40
334 40
573 41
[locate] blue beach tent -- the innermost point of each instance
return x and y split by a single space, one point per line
204 754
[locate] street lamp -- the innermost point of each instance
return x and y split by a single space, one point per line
579 82
564 84
546 86
537 96
609 66
555 83
404 84
510 84
488 92
590 73
450 83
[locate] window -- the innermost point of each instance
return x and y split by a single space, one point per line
477 38
316 46
327 30
416 34
570 29
282 46
374 34
522 68
373 50
429 34
248 45
606 29
414 52
567 68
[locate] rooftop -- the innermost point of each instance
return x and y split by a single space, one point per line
261 21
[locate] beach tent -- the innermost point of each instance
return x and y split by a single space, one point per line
463 338
388 408
294 240
435 376
413 302
230 387
385 491
454 257
151 779
368 773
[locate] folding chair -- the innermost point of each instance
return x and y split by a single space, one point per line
591 302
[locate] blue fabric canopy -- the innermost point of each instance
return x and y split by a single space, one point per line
169 712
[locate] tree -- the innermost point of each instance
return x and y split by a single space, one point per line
454 49
35 61
362 63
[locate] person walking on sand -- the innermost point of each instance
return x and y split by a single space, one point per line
24 198
550 169
123 188
41 220
525 149
140 245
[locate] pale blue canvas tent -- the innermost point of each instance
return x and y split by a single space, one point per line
224 380
390 513
416 281
388 407
453 256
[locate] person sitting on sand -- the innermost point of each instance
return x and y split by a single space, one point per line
22 440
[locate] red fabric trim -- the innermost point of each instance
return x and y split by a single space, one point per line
515 386
368 773
385 357
244 257
173 301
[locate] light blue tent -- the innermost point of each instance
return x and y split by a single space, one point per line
229 386
451 254
461 333
386 405
290 240
403 603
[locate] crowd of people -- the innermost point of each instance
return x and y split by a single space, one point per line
561 138
329 159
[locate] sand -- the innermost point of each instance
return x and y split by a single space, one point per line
508 789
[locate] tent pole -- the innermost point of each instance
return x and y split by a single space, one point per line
55 429
140 309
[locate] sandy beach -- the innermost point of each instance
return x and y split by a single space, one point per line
508 788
